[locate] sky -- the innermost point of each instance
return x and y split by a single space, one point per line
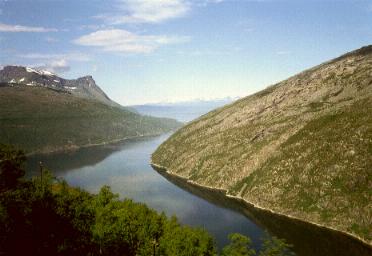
142 51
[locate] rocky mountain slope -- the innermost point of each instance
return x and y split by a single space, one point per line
302 147
43 117
84 87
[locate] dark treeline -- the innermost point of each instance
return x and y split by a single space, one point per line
43 216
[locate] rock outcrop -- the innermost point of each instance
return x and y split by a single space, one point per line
84 87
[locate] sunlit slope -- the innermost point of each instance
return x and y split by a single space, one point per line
302 147
39 119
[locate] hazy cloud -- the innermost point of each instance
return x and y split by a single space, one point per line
56 66
123 41
56 63
147 11
50 39
206 2
67 56
283 52
19 28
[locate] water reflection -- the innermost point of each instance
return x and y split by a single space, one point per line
125 167
307 239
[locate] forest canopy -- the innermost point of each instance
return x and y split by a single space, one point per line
44 216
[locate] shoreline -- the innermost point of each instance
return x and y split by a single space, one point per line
73 148
248 204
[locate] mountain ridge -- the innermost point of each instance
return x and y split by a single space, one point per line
43 113
84 87
300 147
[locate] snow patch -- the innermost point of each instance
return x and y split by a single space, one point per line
30 70
40 72
57 81
46 72
22 79
70 88
31 84
12 81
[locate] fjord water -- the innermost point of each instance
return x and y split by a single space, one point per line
125 167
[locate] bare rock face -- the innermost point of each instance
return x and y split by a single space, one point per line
301 147
84 87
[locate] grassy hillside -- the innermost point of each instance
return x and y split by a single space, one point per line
38 119
302 147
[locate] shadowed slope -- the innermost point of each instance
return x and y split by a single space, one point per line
39 120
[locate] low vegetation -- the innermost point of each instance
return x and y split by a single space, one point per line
41 120
302 147
47 217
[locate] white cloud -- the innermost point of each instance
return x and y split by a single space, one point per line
50 39
123 41
56 63
19 28
206 2
67 56
147 11
91 26
56 66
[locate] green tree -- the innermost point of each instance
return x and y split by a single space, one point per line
11 167
240 245
125 227
273 246
47 217
185 241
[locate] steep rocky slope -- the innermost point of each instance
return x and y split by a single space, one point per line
84 87
302 147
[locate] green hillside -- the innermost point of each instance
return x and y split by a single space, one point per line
302 147
39 119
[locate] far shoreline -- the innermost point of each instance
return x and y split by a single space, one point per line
74 148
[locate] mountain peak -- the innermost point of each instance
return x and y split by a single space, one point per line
10 67
88 77
40 71
84 87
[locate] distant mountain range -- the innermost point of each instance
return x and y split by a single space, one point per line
41 113
184 111
301 148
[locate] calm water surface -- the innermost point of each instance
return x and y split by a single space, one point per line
125 168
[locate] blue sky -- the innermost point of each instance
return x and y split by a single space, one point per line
141 51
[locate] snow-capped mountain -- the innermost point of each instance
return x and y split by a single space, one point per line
84 87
